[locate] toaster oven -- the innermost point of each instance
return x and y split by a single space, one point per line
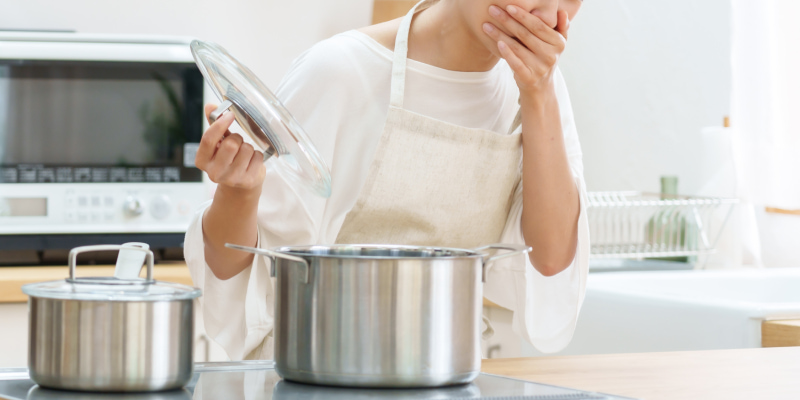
97 140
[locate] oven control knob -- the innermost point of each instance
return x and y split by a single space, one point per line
160 207
133 207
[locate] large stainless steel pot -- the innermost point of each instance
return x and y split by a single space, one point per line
110 334
379 316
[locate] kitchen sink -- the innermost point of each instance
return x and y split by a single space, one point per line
627 312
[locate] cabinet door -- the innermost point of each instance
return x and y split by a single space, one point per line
504 343
13 335
205 349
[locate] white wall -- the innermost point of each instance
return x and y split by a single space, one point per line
266 35
645 77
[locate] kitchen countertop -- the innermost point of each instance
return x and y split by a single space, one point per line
258 380
767 373
755 374
770 374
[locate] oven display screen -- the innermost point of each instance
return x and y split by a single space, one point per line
88 121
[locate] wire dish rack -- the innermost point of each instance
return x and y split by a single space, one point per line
645 225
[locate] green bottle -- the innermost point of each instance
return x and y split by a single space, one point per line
669 225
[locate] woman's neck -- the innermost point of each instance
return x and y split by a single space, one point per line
440 37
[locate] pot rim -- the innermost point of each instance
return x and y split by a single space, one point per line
349 251
154 291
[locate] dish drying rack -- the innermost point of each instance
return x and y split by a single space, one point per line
645 225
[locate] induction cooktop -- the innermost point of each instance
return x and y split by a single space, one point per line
257 380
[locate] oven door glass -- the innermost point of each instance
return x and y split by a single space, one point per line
89 121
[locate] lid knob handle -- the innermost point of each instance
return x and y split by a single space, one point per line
249 124
73 256
214 116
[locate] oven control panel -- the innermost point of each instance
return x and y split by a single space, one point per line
99 208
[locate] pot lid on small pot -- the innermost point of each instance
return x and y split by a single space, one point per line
263 117
110 288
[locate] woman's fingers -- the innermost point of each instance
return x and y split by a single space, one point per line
526 27
225 156
256 169
242 159
563 23
529 45
210 140
524 54
227 150
256 161
235 173
517 65
237 164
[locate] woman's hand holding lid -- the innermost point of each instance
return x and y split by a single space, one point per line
232 217
226 158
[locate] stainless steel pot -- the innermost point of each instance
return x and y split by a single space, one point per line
110 334
379 316
40 393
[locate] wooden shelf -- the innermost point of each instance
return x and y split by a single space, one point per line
12 278
776 210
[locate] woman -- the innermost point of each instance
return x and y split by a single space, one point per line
420 124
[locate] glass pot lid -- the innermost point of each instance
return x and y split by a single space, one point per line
110 288
263 117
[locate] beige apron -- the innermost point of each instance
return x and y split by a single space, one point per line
433 183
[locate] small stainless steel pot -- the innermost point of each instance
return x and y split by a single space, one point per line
379 316
108 334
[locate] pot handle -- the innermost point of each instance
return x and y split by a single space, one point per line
73 256
273 255
514 249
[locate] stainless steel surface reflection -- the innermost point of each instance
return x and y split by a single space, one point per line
257 380
254 384
40 393
285 390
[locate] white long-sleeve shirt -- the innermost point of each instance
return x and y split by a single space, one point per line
339 92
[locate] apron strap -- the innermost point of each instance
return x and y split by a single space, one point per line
517 122
401 54
401 58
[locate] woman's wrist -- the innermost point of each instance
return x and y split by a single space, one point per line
237 197
538 97
231 218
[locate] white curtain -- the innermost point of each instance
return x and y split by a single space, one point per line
765 112
765 116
